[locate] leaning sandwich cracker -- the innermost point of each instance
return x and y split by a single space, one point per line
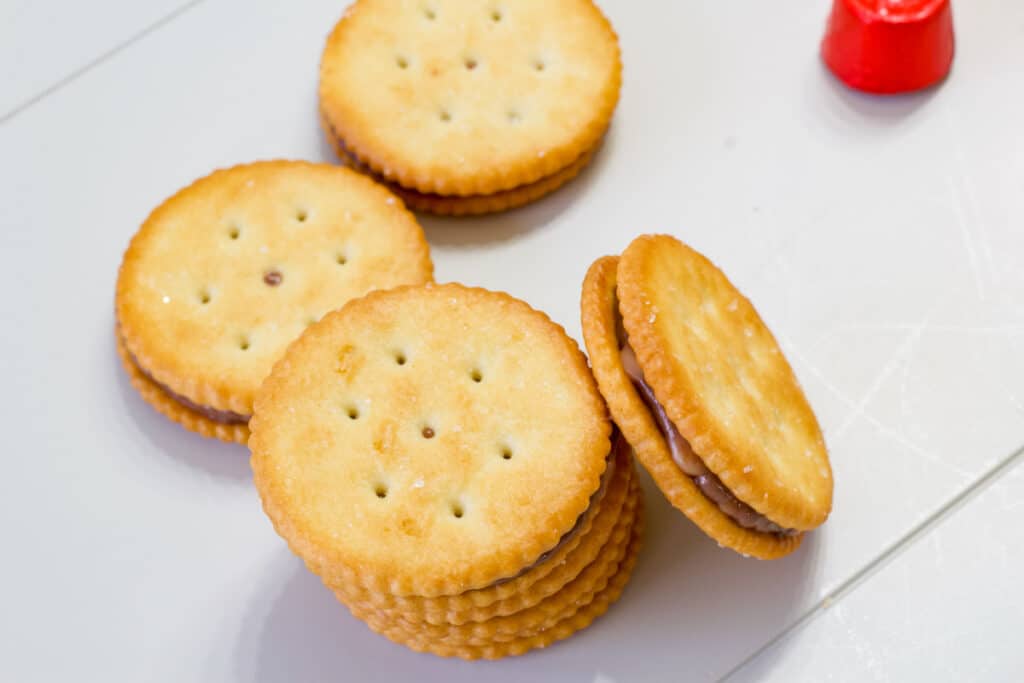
702 391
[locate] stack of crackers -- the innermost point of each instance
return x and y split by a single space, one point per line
442 456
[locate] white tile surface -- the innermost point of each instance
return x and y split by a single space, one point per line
881 239
946 609
43 43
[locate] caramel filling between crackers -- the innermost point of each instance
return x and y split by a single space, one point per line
227 417
618 443
350 159
690 463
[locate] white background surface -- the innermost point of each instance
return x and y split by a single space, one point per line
882 240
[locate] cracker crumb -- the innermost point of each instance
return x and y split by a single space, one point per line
748 331
418 484
654 316
390 200
250 182
733 305
166 299
748 469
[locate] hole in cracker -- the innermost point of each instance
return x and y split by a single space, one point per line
428 432
470 63
457 509
381 490
204 296
400 358
513 116
301 215
476 375
352 412
445 115
539 65
496 15
243 343
506 453
341 259
430 14
273 278
234 232
402 62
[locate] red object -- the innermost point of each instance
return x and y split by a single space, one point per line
889 46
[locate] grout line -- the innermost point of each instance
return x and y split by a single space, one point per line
889 554
159 23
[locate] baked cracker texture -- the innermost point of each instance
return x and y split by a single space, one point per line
466 99
529 621
722 379
527 589
532 620
223 275
578 620
428 440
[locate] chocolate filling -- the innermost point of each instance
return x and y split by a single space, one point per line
617 443
352 160
228 417
691 464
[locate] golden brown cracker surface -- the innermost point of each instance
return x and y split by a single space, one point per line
559 631
380 440
525 590
531 620
456 97
723 380
600 319
224 274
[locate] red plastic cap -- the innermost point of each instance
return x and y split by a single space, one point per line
889 46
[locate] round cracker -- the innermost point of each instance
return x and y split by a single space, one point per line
378 440
153 394
226 273
579 620
723 381
600 317
466 98
526 589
